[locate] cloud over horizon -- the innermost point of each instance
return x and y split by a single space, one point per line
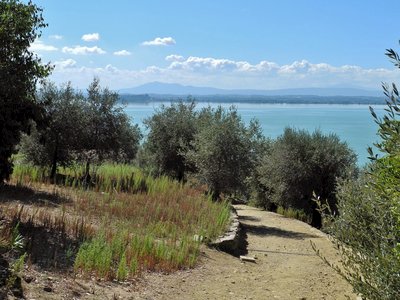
231 74
165 41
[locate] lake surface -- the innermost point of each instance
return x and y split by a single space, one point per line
352 123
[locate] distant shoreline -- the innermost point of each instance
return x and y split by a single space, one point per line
253 99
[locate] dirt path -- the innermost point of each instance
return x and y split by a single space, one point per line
286 268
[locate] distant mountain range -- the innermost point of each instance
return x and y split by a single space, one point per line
160 88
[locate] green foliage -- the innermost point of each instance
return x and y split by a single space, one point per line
367 229
171 130
92 128
108 132
224 150
122 271
366 234
11 243
53 145
299 163
20 69
16 269
107 177
294 214
214 145
16 241
11 240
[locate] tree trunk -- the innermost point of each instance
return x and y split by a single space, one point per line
86 176
215 195
54 163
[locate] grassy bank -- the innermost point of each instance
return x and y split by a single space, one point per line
139 222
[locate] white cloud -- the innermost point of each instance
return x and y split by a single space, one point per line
209 64
64 64
83 50
165 41
38 46
122 53
230 74
56 37
91 37
174 57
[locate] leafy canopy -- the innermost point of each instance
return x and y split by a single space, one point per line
299 163
224 150
80 128
20 69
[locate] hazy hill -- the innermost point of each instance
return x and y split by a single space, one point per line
178 89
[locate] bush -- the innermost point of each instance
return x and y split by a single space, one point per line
299 163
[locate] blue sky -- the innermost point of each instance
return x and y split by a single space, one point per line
258 44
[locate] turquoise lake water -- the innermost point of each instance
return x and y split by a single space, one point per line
352 123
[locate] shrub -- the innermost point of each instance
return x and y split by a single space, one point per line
367 229
299 163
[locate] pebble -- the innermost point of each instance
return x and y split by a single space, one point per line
47 289
28 279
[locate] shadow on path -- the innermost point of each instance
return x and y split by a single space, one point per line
262 230
249 218
283 252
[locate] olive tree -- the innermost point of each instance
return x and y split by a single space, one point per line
299 163
81 128
108 132
54 144
223 151
171 130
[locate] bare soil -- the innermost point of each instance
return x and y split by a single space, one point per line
286 268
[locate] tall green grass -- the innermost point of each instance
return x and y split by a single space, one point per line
156 232
294 214
105 178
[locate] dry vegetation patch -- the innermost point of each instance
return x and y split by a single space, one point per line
121 224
